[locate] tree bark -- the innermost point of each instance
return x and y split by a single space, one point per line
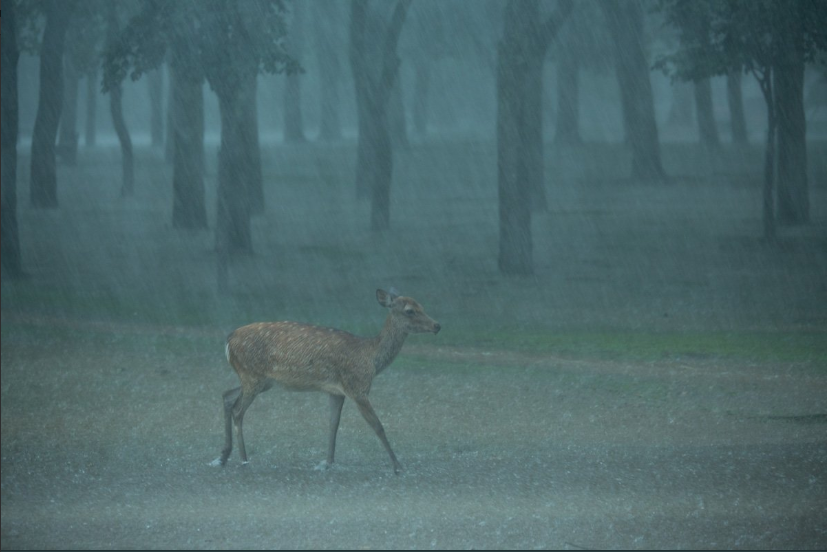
793 193
155 87
233 234
116 109
515 254
707 131
43 189
680 113
532 130
374 83
625 22
520 174
68 138
293 122
252 147
567 131
422 86
735 100
764 78
169 141
396 113
330 127
10 256
189 209
91 107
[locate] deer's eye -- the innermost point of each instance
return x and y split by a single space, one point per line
409 312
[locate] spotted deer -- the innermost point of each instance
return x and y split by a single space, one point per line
302 357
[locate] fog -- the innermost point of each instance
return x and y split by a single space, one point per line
632 339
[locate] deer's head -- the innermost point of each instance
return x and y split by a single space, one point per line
407 313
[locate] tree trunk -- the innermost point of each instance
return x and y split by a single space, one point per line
680 112
293 123
764 78
169 141
252 147
396 117
707 131
793 193
43 189
188 204
625 21
116 109
532 131
233 234
422 85
515 254
155 87
735 100
68 138
567 131
128 172
91 107
373 85
330 127
9 237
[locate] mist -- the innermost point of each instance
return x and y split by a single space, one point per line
614 211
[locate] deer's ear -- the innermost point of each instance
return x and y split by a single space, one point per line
385 299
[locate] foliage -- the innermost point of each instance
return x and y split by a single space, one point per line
737 35
224 38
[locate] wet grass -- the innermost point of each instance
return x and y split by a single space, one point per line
652 346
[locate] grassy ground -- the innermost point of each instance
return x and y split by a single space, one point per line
658 383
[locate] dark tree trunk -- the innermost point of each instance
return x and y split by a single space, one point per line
625 21
68 138
532 130
252 147
707 131
43 189
293 123
155 87
764 78
116 109
128 171
330 127
188 205
396 113
520 175
567 130
680 113
91 107
9 237
735 99
515 256
169 140
793 193
373 83
422 86
233 235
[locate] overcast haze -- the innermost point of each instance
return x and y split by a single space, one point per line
632 349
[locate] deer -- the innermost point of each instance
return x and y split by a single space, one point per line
305 357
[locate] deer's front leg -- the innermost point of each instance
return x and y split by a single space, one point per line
336 402
373 420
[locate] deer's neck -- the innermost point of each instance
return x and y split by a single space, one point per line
388 344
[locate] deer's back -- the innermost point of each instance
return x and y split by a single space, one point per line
299 356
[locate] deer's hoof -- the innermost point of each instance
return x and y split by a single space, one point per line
324 465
